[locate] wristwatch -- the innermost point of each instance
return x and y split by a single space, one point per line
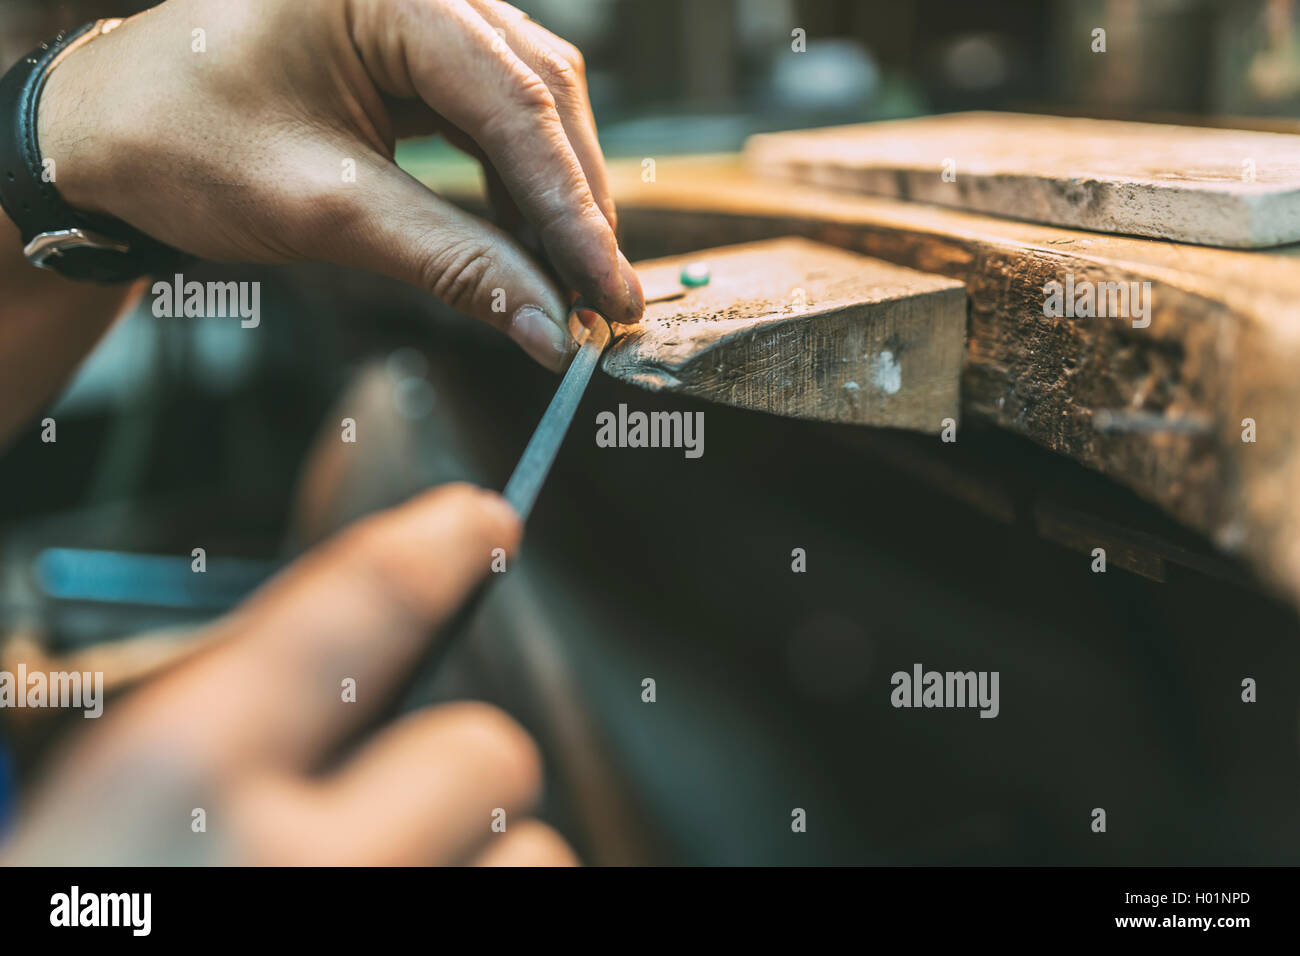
55 236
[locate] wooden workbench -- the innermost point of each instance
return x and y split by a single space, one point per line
1158 408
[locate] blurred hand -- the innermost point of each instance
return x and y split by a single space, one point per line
274 143
242 730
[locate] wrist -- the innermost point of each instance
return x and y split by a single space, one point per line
73 130
63 192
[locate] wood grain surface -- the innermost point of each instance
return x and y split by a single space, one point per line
801 329
1219 187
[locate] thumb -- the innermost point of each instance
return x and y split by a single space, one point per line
400 228
362 607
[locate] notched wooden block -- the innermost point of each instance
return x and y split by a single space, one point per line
804 330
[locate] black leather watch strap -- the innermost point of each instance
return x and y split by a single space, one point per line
75 244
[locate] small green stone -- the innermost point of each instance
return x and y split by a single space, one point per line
695 274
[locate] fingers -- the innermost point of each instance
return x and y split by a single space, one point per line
400 228
562 68
314 656
461 67
428 790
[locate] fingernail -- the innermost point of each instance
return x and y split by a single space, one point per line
635 296
541 338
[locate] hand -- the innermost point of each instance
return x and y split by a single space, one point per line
242 730
239 152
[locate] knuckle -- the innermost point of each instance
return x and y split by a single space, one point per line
559 72
577 62
458 273
520 100
532 93
526 101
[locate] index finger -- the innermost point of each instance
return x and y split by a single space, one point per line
465 71
561 66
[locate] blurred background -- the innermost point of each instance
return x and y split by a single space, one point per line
772 688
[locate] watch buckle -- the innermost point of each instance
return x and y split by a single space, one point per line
50 244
